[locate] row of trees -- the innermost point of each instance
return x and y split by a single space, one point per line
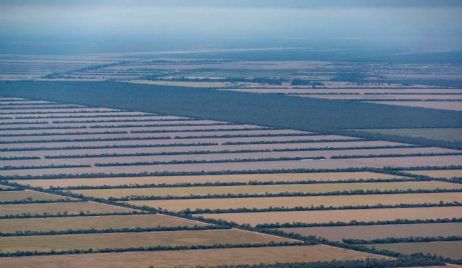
115 230
231 160
287 194
61 133
224 183
159 125
32 201
411 261
301 149
123 146
203 172
65 214
393 155
317 208
291 141
122 120
198 130
355 223
388 240
45 166
148 248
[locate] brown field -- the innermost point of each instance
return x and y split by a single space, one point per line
132 124
163 134
28 195
440 174
378 162
48 243
310 145
93 222
55 208
299 201
173 128
262 189
228 156
178 141
441 105
64 110
287 177
191 258
347 215
448 249
370 232
382 91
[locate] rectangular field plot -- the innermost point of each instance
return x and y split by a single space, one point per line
444 134
439 174
300 201
371 232
447 249
247 166
60 208
192 258
227 156
310 146
28 195
440 105
164 141
346 215
93 222
48 243
238 178
262 189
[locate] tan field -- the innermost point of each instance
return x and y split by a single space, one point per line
180 141
267 146
262 189
28 195
225 156
347 215
286 177
191 258
246 166
51 136
441 105
370 232
448 249
440 174
133 240
299 201
55 208
93 222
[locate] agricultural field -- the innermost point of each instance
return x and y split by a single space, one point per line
438 174
192 258
371 232
312 188
344 215
289 202
448 249
230 134
135 240
451 135
82 181
11 196
103 222
430 98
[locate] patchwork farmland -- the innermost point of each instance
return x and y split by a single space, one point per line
94 185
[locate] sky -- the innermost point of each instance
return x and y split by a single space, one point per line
84 26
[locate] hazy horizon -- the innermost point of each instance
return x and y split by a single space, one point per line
50 27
